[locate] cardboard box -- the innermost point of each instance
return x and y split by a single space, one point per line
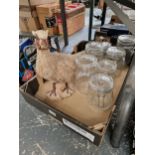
28 24
35 2
47 9
74 24
26 12
75 112
75 15
47 18
28 20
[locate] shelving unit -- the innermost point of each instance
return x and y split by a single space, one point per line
114 7
120 14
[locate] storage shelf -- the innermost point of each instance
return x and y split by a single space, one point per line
121 15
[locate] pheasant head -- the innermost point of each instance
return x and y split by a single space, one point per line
41 40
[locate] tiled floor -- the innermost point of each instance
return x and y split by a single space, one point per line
40 134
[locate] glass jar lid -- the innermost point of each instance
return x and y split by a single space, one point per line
101 83
115 53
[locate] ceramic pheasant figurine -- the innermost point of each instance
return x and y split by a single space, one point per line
54 69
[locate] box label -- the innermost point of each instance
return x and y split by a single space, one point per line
51 112
79 130
50 21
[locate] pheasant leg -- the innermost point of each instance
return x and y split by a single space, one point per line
68 89
53 91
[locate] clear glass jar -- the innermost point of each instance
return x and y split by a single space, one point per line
100 87
98 49
117 54
86 65
86 62
126 40
107 66
128 43
81 81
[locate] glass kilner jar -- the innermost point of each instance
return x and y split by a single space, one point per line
100 86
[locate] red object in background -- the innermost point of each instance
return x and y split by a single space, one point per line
70 7
28 74
73 5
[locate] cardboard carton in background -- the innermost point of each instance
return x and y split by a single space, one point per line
28 20
75 18
26 12
74 24
35 2
46 11
28 24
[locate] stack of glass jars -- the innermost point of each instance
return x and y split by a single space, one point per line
98 49
86 66
126 41
100 86
117 54
96 69
107 66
